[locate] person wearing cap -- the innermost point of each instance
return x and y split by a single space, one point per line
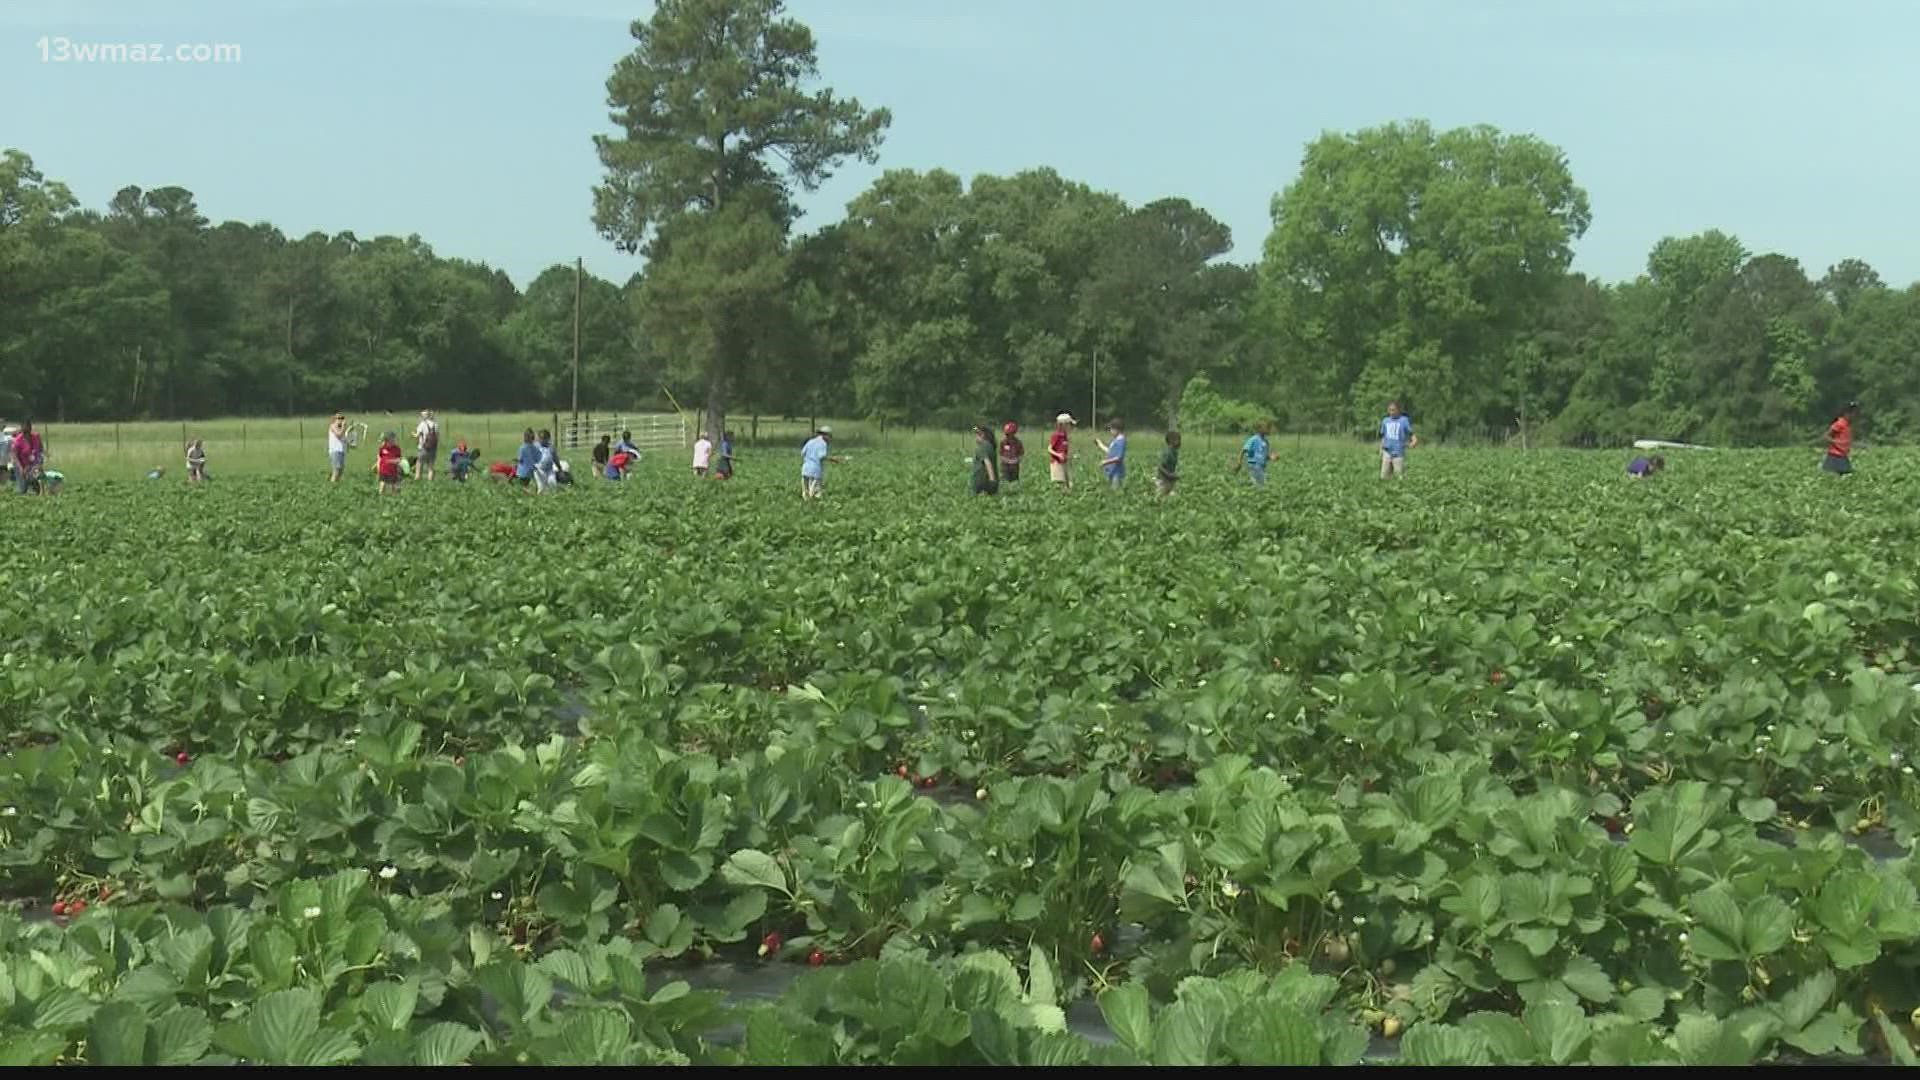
814 458
337 445
427 436
1060 451
1011 452
1840 441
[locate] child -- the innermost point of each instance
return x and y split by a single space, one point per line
725 471
545 465
196 462
602 453
1640 468
159 472
702 454
986 478
387 466
529 457
461 461
1011 451
1115 463
1396 438
1169 474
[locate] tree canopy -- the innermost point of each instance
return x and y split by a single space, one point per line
1405 262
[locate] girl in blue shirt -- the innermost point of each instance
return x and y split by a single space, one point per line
1115 462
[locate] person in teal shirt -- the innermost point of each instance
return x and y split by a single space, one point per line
1254 454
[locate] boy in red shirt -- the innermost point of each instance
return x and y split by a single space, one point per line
1011 451
388 465
1060 450
1840 441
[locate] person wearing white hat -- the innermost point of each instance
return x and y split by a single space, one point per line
814 457
8 463
1060 451
427 432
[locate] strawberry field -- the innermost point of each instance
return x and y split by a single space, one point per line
1514 762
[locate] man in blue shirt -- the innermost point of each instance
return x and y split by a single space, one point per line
813 463
1254 454
1115 462
1396 435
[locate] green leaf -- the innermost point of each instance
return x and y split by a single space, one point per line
325 1048
282 1022
273 951
1584 977
1508 1038
1672 821
1041 989
774 1039
1758 811
1437 1044
595 1036
1768 926
61 1009
1514 963
1559 1031
1644 1003
1260 1034
750 867
445 1044
32 1048
1897 1043
117 1035
1125 1009
180 1037
1718 932
389 1005
1184 1034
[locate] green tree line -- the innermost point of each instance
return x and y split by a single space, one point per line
1432 266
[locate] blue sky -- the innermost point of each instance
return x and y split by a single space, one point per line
1790 124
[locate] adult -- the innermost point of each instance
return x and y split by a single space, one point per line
427 435
29 457
702 456
814 458
1012 452
1255 453
8 463
337 445
1114 465
1840 441
1060 451
1642 467
1396 437
986 476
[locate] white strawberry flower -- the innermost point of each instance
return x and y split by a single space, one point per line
496 895
388 873
311 913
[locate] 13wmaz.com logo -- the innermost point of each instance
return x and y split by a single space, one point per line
61 50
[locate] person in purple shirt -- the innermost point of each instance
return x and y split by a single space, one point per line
1641 468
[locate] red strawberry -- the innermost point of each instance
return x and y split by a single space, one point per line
76 908
927 781
1098 944
1498 678
181 758
770 944
1613 825
816 958
105 893
59 908
900 770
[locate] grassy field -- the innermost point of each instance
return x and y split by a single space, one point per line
282 446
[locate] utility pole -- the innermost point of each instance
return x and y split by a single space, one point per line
1093 415
578 263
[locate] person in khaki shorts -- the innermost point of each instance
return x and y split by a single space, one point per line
1060 451
1396 437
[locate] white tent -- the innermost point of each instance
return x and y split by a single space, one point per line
1656 444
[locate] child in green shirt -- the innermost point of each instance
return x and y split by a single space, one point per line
1169 465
